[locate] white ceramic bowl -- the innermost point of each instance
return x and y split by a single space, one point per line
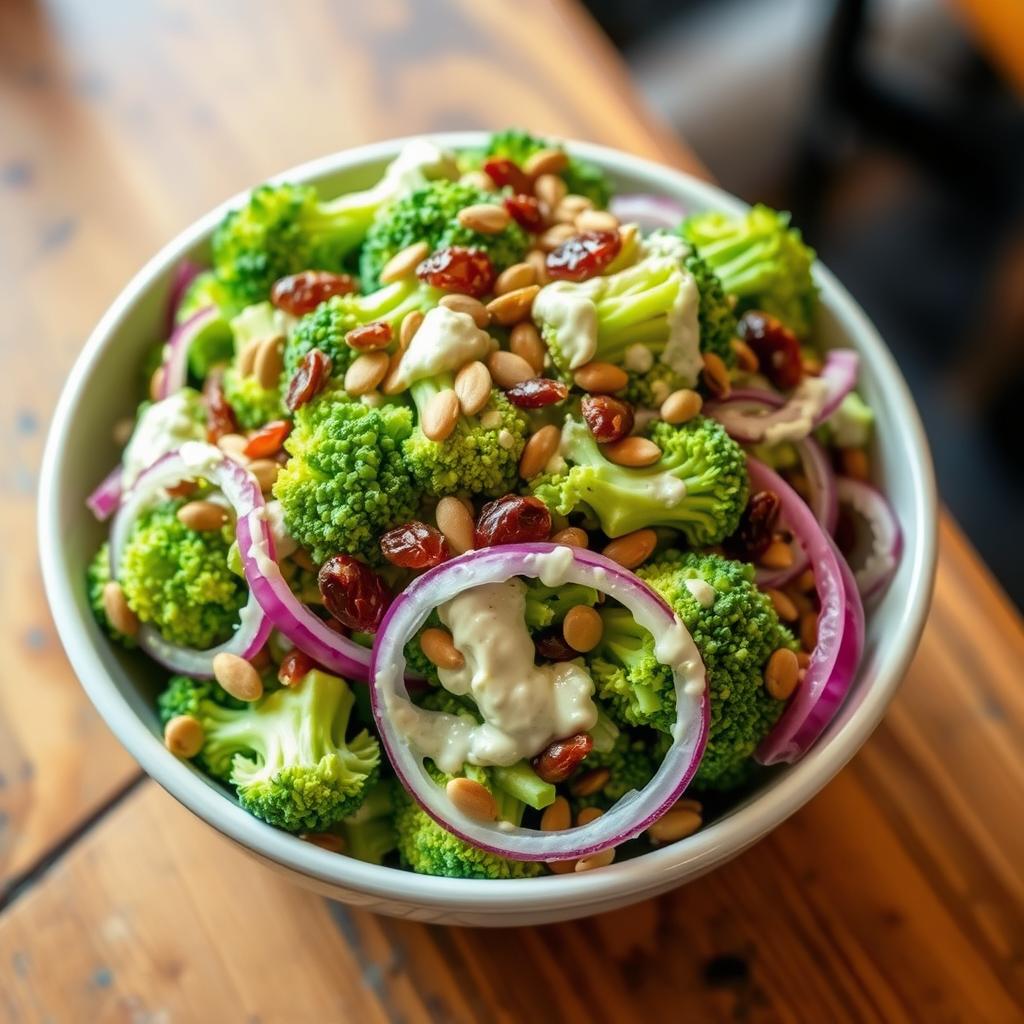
79 452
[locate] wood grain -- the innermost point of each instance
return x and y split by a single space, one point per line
894 896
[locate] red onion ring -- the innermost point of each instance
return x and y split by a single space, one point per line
840 630
184 274
103 501
634 812
174 370
649 211
239 486
795 417
886 536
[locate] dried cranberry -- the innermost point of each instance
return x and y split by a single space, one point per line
585 255
294 666
525 211
776 347
757 526
512 520
458 269
308 380
551 646
506 172
610 419
369 336
415 546
268 439
220 417
353 593
301 293
537 392
559 759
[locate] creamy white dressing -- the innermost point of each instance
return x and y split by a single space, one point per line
164 426
524 706
553 566
682 350
284 543
568 310
445 341
702 592
804 405
638 358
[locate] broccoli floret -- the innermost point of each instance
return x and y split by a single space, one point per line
581 177
179 580
760 260
635 687
547 606
370 832
699 485
715 313
631 763
185 695
252 403
287 755
97 576
326 326
346 481
203 291
480 456
428 849
430 214
735 636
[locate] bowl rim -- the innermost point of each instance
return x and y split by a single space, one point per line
660 868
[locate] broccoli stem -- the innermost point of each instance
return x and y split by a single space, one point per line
521 782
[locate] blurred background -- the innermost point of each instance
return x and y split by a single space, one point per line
894 131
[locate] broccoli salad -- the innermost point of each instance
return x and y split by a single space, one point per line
490 523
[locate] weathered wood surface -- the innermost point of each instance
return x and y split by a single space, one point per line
895 895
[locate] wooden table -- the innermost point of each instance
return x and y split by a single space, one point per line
896 895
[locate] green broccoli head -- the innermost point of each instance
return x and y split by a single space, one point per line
252 404
430 214
179 580
203 291
548 606
760 260
480 456
346 481
631 763
428 849
699 486
370 832
715 313
185 695
735 635
326 326
97 576
287 754
581 177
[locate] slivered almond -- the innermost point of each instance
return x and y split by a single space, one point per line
410 325
519 275
473 386
556 816
781 674
676 824
546 161
596 860
596 220
746 357
716 376
550 189
265 471
582 628
632 451
783 605
202 516
778 555
404 263
681 406
472 799
525 341
555 236
537 260
570 208
247 357
484 218
590 782
572 536
513 306
601 378
115 607
467 304
237 676
538 451
508 369
633 549
269 361
366 372
438 646
587 815
440 415
455 521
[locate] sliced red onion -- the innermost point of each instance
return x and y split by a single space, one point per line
649 211
288 614
883 557
184 274
196 459
840 630
821 481
174 371
554 564
104 500
815 399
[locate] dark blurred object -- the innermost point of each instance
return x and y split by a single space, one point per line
900 149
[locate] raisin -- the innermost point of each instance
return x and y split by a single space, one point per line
610 419
525 211
268 439
369 336
458 269
506 172
353 593
557 761
776 347
585 255
220 417
294 666
512 520
537 392
551 646
757 526
309 379
415 546
299 294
